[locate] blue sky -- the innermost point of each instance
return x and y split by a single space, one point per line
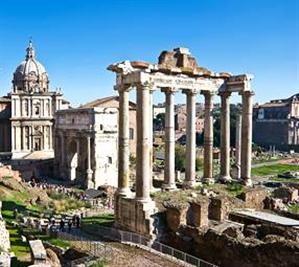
76 40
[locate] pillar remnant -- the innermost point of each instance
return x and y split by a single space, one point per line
123 142
208 138
143 171
169 172
225 137
190 142
246 146
238 145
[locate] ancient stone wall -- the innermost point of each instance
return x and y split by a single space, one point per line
4 243
6 171
254 198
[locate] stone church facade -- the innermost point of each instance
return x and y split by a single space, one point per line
29 111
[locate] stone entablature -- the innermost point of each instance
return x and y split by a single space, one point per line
177 71
86 146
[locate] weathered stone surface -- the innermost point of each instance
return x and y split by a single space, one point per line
197 214
6 171
275 204
226 251
175 215
286 193
52 258
254 198
4 235
219 208
135 216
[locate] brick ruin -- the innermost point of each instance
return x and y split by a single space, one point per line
208 228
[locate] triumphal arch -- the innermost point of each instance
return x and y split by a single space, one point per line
176 71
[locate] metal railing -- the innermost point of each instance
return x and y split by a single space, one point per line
153 246
93 247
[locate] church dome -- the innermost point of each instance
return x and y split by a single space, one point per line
30 76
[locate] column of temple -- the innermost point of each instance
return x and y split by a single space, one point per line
238 145
225 138
89 171
123 142
190 136
62 153
208 138
151 136
143 171
246 146
169 171
78 155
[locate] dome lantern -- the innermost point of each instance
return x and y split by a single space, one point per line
30 76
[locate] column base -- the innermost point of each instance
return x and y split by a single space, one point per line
225 178
143 200
189 184
247 182
124 192
208 181
169 187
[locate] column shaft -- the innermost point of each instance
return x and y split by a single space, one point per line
123 143
208 138
238 145
246 137
169 171
143 171
225 138
151 136
190 140
89 171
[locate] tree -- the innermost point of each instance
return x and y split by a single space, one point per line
159 121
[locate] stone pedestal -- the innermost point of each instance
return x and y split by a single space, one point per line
197 214
136 216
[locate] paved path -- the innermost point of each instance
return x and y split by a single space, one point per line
267 217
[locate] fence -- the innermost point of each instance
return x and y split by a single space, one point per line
153 246
93 247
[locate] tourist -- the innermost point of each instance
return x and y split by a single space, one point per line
77 221
62 224
69 225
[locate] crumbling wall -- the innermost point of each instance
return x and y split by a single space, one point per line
254 198
4 243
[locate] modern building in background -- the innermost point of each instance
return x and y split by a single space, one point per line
276 123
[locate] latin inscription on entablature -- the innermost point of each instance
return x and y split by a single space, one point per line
186 83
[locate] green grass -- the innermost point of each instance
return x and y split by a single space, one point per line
20 248
285 180
294 208
102 220
99 263
273 170
234 189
